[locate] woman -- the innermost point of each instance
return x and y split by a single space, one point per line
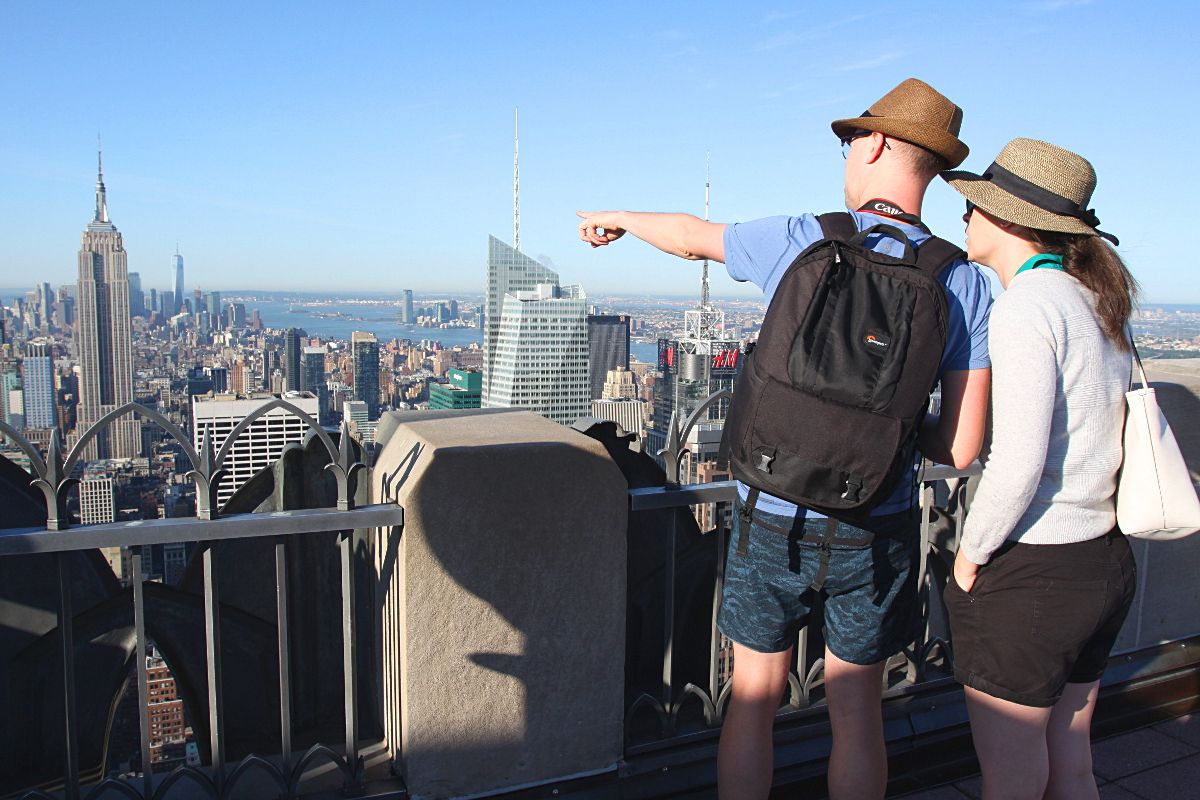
1043 579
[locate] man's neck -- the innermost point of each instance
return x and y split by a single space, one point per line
902 195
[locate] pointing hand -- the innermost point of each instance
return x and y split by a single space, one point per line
599 227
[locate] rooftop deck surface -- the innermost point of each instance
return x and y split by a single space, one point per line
1162 760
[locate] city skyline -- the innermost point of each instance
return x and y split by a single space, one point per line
285 162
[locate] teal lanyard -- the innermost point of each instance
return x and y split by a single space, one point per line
1043 261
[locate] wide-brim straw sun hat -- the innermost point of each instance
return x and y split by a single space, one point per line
1035 184
917 113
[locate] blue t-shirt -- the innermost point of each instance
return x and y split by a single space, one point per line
761 251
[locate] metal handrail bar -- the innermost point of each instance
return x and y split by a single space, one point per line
19 541
657 497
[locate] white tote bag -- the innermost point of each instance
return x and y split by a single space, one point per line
1155 495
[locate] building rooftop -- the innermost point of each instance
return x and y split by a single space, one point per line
497 605
1151 763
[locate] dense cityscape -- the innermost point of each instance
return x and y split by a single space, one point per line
206 361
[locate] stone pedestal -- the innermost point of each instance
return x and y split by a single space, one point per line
502 602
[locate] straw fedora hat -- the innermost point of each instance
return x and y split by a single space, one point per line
915 112
1035 184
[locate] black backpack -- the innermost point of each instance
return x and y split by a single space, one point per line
826 410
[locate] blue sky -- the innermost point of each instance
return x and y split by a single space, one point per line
369 146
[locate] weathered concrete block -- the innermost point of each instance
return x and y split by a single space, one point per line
502 603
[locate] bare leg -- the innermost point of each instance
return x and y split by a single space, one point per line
1069 743
746 754
858 763
1010 740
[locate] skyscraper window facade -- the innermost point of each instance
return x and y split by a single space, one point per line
464 390
137 300
257 447
314 377
38 379
540 359
291 360
608 348
407 315
214 309
508 270
176 285
103 335
366 370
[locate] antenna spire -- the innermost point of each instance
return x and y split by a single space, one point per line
101 194
516 179
704 299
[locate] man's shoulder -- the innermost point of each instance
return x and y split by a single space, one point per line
964 275
789 231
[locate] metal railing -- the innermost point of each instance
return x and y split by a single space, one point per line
908 669
281 528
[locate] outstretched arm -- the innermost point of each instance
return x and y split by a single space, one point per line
682 235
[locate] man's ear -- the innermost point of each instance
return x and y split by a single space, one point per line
878 141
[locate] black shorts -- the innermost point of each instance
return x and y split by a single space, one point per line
1040 617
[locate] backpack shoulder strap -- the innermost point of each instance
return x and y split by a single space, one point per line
838 225
936 254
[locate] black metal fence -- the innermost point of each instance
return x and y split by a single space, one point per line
58 541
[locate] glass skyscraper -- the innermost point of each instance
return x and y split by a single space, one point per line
540 360
38 378
608 348
366 370
407 317
137 300
291 358
508 270
176 284
314 377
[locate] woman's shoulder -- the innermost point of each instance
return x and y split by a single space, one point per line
1037 304
1047 291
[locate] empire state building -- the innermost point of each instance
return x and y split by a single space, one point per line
103 335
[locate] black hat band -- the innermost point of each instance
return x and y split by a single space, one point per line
1043 198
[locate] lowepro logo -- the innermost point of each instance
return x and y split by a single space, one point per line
876 340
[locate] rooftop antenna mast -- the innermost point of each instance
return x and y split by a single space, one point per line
516 179
101 194
703 324
707 187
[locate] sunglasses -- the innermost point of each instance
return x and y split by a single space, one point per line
857 134
970 208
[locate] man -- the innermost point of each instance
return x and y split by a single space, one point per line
892 153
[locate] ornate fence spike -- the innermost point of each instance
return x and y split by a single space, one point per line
55 484
208 478
345 468
673 453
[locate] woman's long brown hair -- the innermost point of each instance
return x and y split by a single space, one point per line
1098 267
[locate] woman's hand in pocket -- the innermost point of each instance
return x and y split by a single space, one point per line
965 572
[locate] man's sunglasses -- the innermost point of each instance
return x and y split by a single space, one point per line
857 134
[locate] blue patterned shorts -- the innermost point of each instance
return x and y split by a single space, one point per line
870 591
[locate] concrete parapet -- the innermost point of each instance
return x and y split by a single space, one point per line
501 606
